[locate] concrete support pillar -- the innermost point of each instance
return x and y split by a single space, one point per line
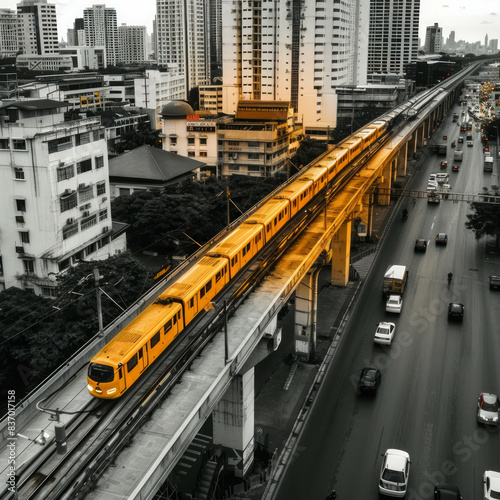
341 255
306 306
366 213
233 423
385 184
402 160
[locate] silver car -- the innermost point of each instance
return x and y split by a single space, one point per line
487 409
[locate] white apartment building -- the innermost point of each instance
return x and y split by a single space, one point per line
433 39
132 44
52 62
85 58
293 51
101 30
55 194
393 35
182 38
157 88
8 33
37 28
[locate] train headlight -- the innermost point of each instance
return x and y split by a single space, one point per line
111 391
90 388
98 390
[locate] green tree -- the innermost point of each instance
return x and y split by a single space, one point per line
485 219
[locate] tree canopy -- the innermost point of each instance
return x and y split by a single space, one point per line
485 217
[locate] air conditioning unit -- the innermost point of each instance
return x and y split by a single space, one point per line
81 186
19 249
61 164
70 220
85 214
67 191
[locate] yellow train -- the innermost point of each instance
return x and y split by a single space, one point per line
122 361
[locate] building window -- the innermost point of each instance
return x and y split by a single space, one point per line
88 222
253 168
82 138
99 162
252 144
69 230
24 236
4 143
253 156
60 144
190 141
203 141
101 188
103 214
232 166
84 166
29 266
85 194
95 134
21 205
19 144
49 291
68 202
233 143
191 154
19 174
64 173
203 154
173 141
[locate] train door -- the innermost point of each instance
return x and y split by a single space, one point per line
122 385
142 355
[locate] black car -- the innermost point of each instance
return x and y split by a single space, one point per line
441 239
420 245
369 380
443 491
494 282
456 311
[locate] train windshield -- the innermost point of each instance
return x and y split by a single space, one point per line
101 373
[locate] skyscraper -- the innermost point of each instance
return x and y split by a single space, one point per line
393 38
37 28
433 39
8 33
182 38
293 51
101 30
215 12
132 44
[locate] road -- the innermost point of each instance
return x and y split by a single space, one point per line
433 372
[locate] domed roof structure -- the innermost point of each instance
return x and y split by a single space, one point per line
176 109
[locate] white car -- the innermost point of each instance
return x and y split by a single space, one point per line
491 480
394 304
394 473
384 333
487 409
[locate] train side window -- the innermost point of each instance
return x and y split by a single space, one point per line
275 221
202 292
218 276
168 326
191 303
208 287
140 353
132 363
178 315
244 252
248 247
120 373
154 339
268 228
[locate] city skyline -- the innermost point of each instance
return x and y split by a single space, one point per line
470 21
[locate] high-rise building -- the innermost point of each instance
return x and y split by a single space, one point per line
433 39
132 44
486 41
101 30
293 51
451 44
393 35
182 38
215 12
8 33
76 35
37 28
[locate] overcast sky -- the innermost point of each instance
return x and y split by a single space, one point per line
471 19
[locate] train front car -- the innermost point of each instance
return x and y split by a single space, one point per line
122 360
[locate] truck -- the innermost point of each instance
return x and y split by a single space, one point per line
438 191
395 279
455 117
433 196
488 164
458 155
440 149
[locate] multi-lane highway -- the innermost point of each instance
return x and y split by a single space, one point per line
433 372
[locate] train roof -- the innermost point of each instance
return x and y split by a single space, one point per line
297 187
314 173
137 332
232 243
337 153
190 283
268 211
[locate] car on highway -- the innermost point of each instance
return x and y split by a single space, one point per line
455 168
444 164
394 304
456 311
487 409
441 239
421 245
384 333
494 282
443 491
460 139
470 144
369 380
394 473
491 481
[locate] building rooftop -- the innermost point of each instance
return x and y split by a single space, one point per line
176 109
150 164
35 104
